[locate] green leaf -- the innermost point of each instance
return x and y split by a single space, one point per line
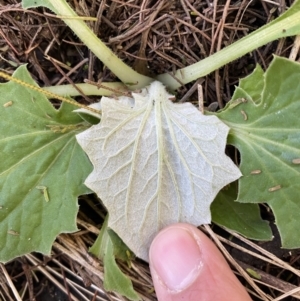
108 246
242 218
267 135
250 89
42 169
37 3
253 84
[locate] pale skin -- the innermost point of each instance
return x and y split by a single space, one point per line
186 266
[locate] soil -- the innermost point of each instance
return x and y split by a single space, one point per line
153 37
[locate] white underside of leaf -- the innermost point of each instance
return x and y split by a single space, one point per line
155 164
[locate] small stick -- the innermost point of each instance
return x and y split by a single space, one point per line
275 188
296 161
8 104
200 99
295 49
100 85
45 192
10 283
255 172
244 115
13 232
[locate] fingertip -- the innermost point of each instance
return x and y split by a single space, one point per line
174 270
186 265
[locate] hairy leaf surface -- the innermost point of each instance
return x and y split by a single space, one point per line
42 169
267 134
156 163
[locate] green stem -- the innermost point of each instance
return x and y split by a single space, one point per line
87 89
286 25
126 74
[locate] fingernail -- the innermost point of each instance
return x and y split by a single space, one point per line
175 258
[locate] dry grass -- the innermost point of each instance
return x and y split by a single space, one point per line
154 37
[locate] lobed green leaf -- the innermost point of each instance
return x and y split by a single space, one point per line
267 134
42 169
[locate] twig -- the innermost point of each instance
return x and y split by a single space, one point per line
234 263
270 281
48 275
11 285
295 49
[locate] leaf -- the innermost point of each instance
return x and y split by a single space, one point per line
42 169
250 89
242 218
253 84
155 164
108 246
38 3
269 143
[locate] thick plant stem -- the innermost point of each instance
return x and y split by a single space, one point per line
126 74
87 89
286 25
